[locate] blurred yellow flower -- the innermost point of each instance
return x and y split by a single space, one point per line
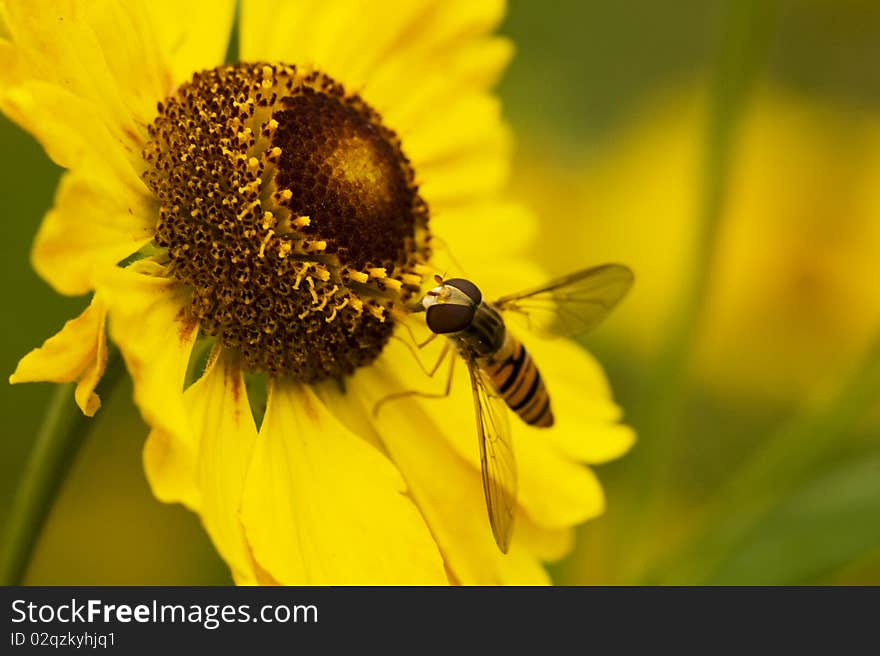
273 219
793 296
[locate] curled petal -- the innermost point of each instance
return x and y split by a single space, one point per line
77 353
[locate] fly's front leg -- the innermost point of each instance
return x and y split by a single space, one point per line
425 370
419 345
423 344
445 353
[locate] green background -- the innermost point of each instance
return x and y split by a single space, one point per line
580 70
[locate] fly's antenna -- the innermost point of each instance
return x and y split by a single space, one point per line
453 259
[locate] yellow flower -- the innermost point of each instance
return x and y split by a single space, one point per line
260 226
793 298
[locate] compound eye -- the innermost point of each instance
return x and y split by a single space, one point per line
449 318
470 289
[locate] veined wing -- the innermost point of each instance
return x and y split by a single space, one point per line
497 461
574 304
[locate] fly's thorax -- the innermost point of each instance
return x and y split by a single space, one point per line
291 212
485 336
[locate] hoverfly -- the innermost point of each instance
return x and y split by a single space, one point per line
501 370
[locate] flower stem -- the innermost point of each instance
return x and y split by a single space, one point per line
58 440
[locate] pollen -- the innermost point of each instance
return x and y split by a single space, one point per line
291 212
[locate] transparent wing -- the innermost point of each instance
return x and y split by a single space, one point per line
574 304
496 456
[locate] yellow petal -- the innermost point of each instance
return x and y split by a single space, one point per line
548 545
478 137
171 465
192 35
77 353
334 36
151 324
95 223
474 119
447 488
321 506
450 125
555 492
458 180
85 77
224 429
203 463
101 56
66 126
587 425
484 241
469 69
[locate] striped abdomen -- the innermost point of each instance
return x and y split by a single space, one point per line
517 379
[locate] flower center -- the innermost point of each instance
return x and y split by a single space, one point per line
291 212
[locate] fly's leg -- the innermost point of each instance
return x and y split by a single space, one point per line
424 395
420 345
